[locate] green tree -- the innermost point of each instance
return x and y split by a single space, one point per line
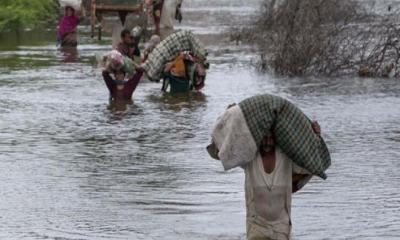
19 14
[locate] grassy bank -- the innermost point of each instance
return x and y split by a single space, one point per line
22 14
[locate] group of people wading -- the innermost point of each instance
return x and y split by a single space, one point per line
163 12
278 147
179 60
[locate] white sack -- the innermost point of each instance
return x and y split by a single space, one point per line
76 4
233 139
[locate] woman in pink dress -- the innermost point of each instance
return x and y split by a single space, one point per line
67 32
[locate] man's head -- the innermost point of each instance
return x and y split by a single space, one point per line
126 37
268 143
69 11
119 75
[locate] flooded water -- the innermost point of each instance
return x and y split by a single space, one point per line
74 167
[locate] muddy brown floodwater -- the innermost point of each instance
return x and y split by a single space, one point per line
72 167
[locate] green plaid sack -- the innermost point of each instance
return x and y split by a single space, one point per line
168 49
291 129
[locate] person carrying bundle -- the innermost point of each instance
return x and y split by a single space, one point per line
67 28
156 7
169 49
128 46
279 148
171 11
164 12
183 74
125 80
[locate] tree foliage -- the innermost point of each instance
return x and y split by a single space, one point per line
325 37
18 14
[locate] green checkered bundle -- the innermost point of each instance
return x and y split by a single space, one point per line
168 49
291 129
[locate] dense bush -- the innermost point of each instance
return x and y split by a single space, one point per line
19 14
325 37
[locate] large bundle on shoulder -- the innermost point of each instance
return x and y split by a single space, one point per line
75 4
168 49
240 131
115 61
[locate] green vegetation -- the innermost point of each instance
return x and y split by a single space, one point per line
20 14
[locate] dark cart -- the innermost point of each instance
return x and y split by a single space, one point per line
123 8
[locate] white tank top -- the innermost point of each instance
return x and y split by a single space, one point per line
268 198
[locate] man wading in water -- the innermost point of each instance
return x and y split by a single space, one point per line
270 176
270 181
129 46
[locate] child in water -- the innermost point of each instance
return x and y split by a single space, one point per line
120 88
126 76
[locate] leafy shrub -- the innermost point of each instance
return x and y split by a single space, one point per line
18 14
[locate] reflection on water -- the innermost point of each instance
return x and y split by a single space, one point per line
69 54
179 101
119 105
13 39
75 166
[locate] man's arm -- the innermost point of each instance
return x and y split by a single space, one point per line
316 127
299 181
108 80
133 82
169 66
300 177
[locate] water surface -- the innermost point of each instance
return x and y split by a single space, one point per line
74 167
